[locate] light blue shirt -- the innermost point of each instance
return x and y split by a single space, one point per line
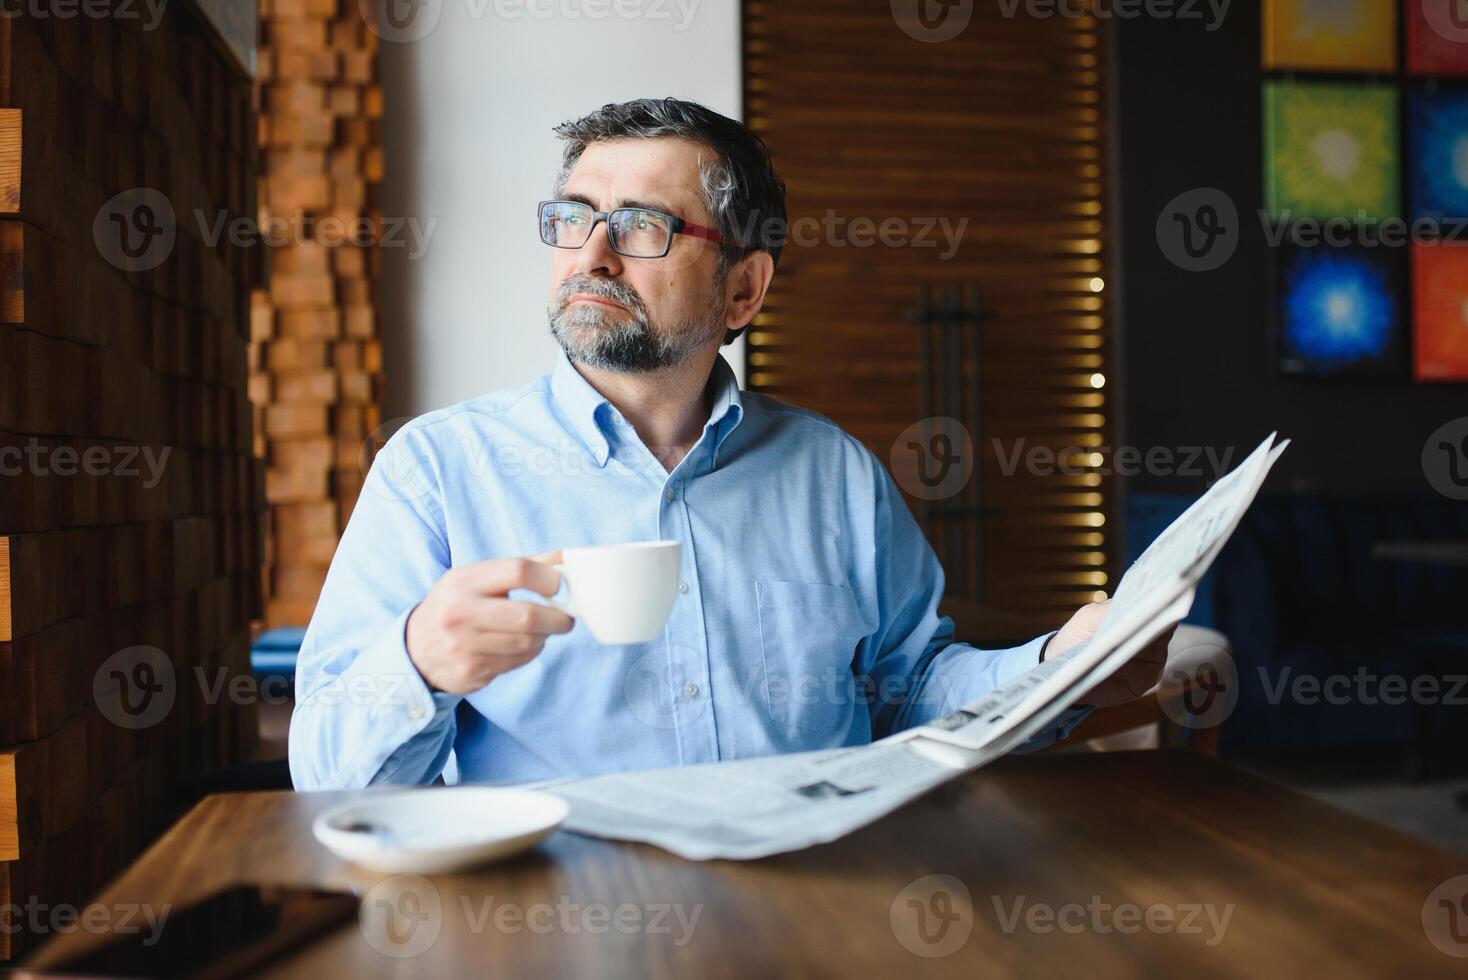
807 614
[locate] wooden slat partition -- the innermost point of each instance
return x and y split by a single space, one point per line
129 498
1002 127
316 359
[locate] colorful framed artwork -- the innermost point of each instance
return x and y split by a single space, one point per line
1440 312
1331 151
1338 311
1437 154
1437 37
1331 35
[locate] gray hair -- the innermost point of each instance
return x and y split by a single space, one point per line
741 190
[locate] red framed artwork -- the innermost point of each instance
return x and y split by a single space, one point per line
1440 312
1437 37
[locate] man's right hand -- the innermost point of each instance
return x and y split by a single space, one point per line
466 632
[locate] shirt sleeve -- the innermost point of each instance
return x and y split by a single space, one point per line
916 671
363 713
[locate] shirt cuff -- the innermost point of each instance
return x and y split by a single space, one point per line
383 682
1018 660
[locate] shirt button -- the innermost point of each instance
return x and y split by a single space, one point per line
669 495
416 711
683 587
690 691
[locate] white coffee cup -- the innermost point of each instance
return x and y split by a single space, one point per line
623 592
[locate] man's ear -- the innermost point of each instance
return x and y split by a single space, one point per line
745 288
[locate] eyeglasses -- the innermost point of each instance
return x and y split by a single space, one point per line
634 232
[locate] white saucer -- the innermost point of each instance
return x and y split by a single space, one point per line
428 831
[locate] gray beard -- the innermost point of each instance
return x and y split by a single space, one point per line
605 341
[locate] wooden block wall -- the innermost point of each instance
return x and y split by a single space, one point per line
316 357
104 367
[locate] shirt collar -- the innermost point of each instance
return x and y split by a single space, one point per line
586 411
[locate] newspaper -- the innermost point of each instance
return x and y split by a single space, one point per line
753 808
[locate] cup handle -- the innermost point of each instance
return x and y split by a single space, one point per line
569 606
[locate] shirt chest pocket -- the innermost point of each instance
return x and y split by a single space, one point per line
808 637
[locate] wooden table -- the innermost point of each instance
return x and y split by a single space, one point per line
1315 891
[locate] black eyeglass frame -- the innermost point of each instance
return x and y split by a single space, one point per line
676 225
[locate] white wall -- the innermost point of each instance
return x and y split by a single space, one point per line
467 138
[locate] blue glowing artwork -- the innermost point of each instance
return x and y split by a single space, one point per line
1340 311
1438 135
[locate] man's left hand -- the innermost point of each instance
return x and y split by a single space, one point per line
1135 678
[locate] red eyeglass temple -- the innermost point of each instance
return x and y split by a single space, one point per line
699 231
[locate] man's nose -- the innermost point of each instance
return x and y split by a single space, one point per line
596 256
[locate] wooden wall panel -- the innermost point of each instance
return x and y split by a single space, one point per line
1002 128
130 502
316 356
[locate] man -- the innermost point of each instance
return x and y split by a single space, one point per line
807 609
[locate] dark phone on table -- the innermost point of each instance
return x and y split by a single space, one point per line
230 933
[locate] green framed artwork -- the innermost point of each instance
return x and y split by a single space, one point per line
1331 151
